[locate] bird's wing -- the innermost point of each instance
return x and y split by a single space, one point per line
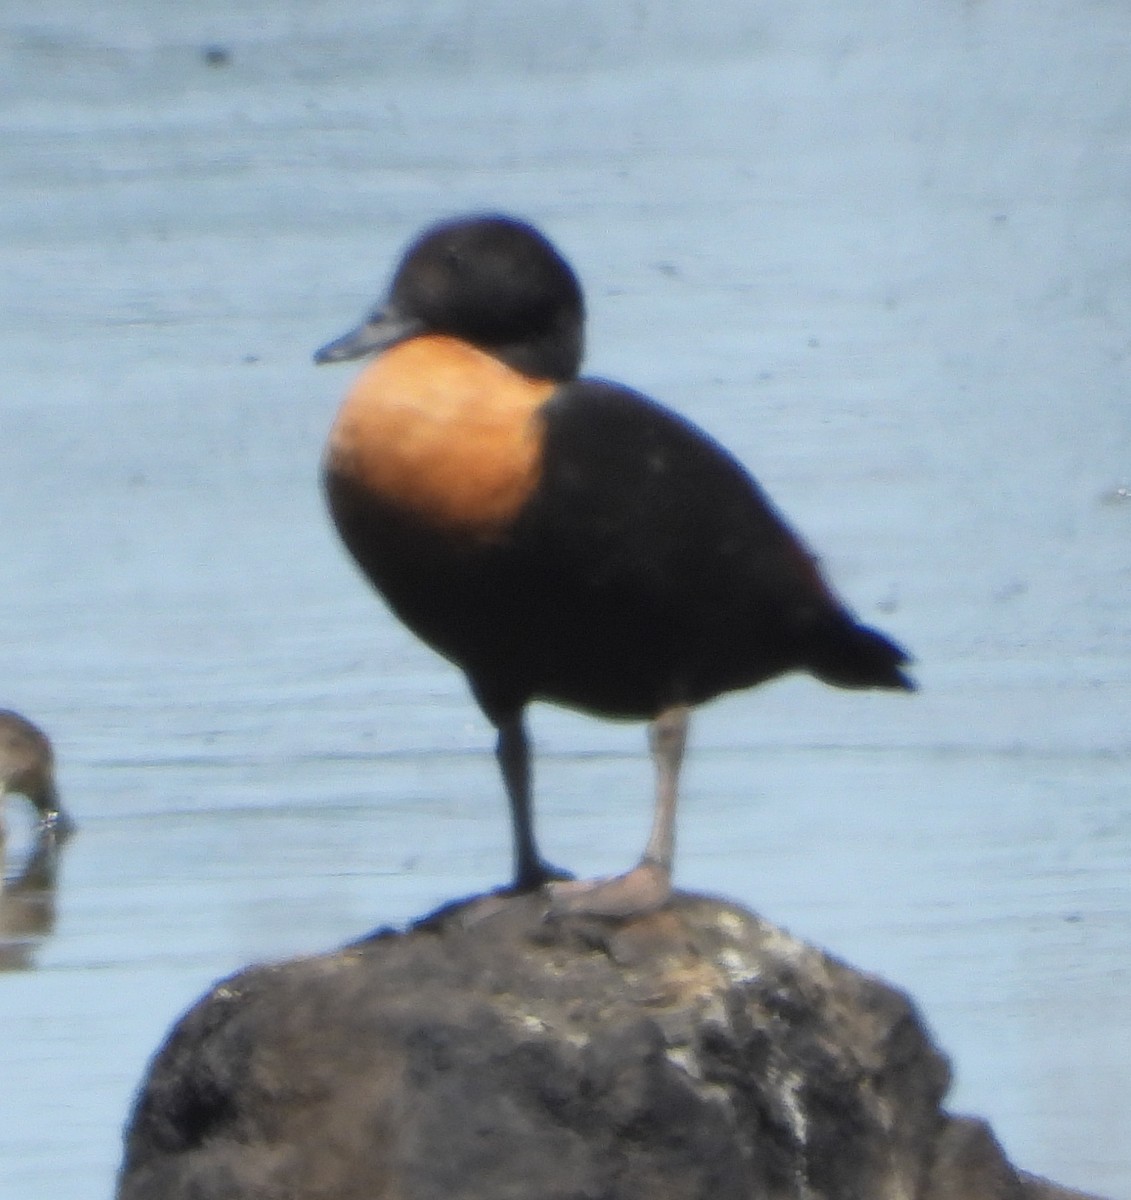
636 499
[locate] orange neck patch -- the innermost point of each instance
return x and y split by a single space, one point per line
444 431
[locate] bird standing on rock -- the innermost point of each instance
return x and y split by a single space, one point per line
561 538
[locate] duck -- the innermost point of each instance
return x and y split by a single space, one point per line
27 768
562 538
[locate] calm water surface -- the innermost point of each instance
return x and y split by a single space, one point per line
885 258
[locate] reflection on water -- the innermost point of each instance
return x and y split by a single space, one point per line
27 900
27 887
877 249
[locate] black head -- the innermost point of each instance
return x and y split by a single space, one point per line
490 280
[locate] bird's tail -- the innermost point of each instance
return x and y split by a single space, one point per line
849 655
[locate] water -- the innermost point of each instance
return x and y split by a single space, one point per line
882 254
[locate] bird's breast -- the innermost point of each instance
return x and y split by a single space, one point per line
444 432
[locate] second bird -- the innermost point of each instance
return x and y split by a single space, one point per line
562 538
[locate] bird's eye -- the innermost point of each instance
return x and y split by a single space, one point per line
453 260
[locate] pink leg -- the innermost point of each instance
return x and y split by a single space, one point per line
648 885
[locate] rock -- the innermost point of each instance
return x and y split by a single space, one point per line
489 1053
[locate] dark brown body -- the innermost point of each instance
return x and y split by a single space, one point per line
645 570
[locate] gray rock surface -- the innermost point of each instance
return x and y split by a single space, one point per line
492 1052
